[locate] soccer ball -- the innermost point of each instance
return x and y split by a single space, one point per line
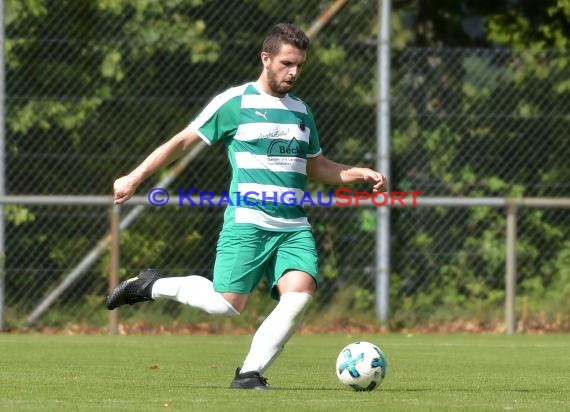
361 365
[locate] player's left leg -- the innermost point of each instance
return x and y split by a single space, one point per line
296 290
296 271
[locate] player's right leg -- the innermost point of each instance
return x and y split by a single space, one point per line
133 290
195 291
198 292
239 266
240 263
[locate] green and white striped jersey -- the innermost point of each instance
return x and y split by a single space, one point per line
268 140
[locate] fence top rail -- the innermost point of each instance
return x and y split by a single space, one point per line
420 201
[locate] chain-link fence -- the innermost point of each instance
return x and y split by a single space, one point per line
479 122
93 87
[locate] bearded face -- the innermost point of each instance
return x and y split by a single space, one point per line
283 69
278 85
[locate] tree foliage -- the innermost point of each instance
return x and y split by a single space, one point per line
93 86
484 121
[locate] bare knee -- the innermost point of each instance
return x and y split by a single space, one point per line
296 281
237 300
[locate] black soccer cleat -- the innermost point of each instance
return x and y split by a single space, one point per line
133 290
248 380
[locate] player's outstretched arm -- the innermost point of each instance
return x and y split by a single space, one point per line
324 170
125 187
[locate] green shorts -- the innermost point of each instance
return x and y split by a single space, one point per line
246 254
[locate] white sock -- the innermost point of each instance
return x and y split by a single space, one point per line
275 331
195 291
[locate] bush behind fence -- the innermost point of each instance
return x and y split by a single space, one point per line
93 87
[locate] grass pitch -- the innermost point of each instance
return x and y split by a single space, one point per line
186 373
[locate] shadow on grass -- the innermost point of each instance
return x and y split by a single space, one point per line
340 388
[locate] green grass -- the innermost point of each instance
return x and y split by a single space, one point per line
184 373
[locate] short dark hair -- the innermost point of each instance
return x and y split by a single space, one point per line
285 33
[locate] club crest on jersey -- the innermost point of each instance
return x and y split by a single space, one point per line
286 148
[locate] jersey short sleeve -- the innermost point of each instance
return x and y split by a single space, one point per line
219 119
314 148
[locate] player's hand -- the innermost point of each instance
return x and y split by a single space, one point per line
378 180
124 188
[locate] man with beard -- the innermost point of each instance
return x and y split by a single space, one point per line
273 146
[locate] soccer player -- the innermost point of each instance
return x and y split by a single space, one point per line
273 146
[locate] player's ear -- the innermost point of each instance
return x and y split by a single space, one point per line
265 59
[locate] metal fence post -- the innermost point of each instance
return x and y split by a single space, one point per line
114 266
511 269
383 162
2 164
